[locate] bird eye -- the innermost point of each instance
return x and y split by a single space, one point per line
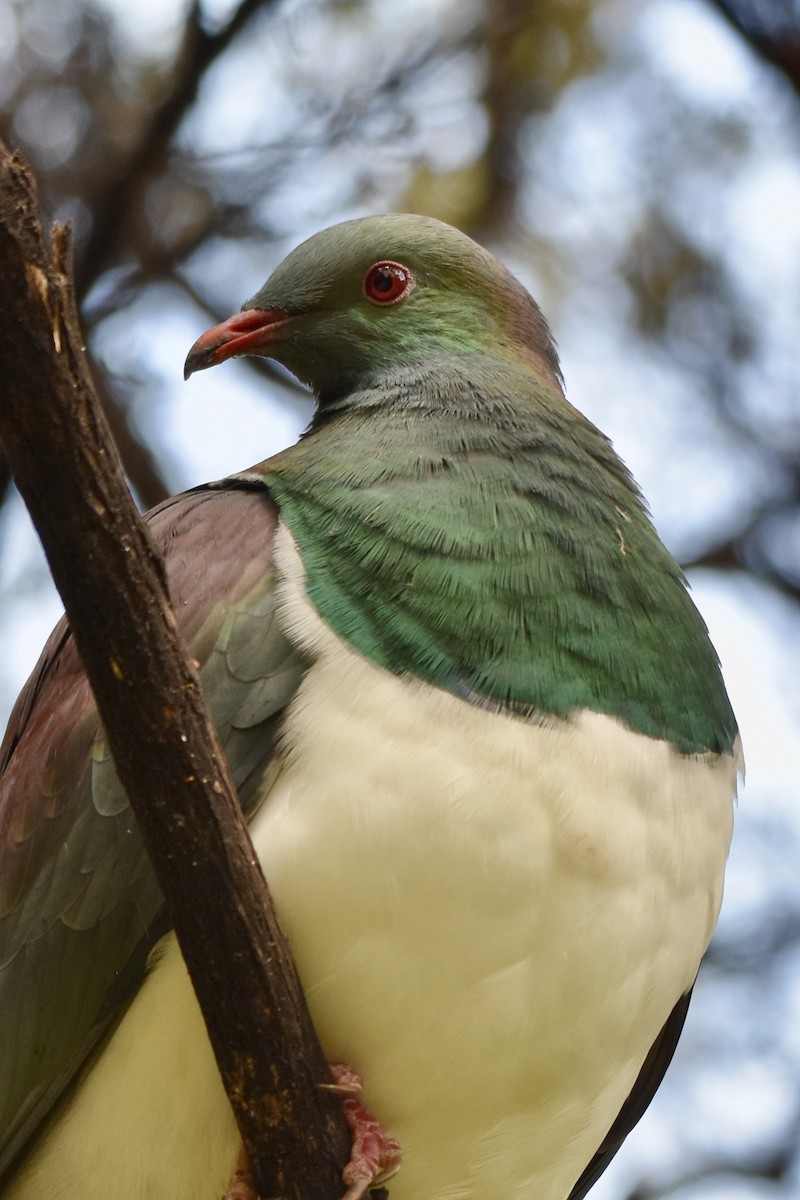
387 282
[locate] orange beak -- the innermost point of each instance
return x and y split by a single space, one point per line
244 333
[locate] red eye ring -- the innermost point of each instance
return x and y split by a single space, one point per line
387 282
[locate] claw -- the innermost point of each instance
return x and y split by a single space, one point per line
375 1156
346 1081
242 1186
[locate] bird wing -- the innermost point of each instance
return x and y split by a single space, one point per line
80 907
647 1084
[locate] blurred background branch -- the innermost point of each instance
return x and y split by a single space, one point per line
771 30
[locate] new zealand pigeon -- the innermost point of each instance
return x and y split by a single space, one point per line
481 733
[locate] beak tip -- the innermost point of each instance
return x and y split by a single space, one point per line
247 332
199 357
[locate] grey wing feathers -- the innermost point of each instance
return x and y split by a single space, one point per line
79 904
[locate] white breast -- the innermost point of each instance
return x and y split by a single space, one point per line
491 918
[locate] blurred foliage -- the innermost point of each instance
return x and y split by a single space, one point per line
637 163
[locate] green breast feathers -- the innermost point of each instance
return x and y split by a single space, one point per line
489 541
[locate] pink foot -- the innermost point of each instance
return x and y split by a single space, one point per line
375 1156
242 1185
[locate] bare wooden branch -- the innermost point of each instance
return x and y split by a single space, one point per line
165 750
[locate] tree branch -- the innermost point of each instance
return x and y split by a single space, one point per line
164 748
140 463
779 46
199 51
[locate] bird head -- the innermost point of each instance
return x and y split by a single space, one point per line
363 298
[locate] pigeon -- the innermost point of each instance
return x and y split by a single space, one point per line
480 734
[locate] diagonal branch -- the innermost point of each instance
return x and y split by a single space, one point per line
165 750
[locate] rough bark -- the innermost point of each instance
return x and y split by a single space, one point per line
167 755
